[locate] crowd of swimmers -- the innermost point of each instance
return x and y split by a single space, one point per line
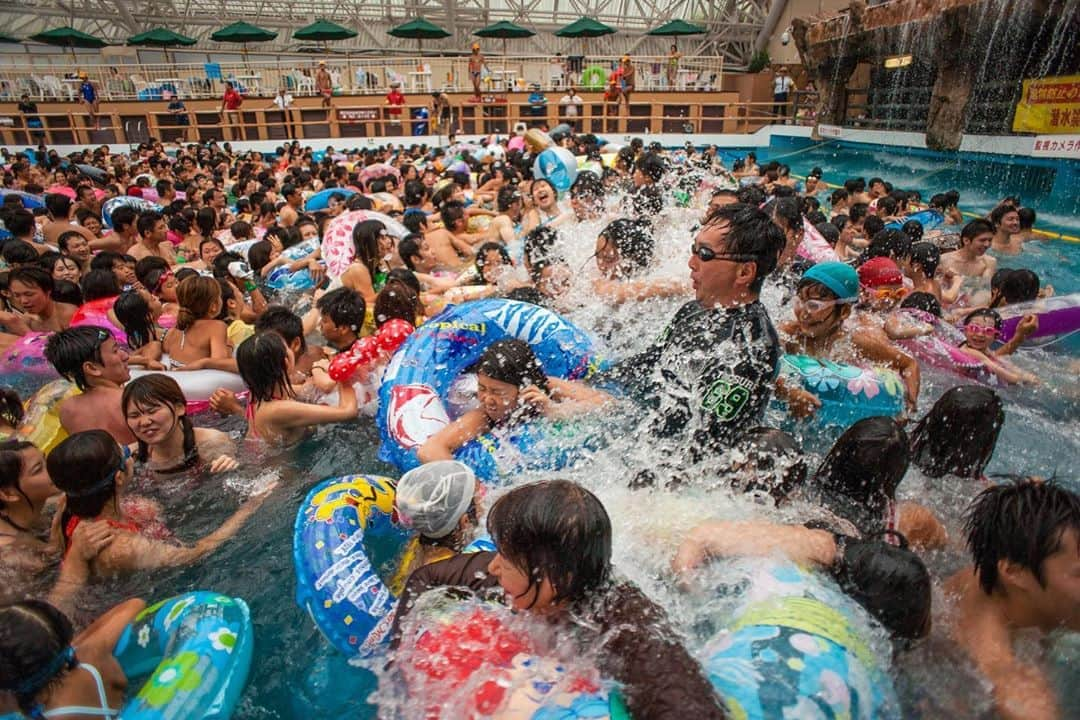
186 301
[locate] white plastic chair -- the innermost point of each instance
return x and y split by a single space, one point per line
304 84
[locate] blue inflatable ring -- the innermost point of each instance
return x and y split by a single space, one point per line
416 383
321 199
197 649
137 203
29 201
343 537
929 219
847 393
280 278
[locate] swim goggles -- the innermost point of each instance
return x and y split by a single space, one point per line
986 330
884 293
707 254
107 481
815 306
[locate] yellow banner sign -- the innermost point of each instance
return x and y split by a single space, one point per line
1049 106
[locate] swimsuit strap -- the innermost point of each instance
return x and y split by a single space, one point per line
102 711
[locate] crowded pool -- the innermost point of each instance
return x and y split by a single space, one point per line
296 672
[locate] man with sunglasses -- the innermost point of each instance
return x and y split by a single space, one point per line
709 375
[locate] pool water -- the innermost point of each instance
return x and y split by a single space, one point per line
296 674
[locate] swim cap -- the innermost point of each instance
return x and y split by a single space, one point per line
880 271
839 277
432 498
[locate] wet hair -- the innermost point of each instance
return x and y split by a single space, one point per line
365 237
414 222
35 650
750 195
69 349
778 463
633 241
998 214
830 232
65 291
206 221
859 211
408 248
18 252
154 390
789 210
587 186
220 266
241 230
913 229
196 296
539 249
396 301
926 255
890 582
512 361
106 260
857 480
1022 522
11 407
974 228
753 235
450 212
259 255
886 206
261 360
651 166
508 195
98 284
556 530
283 321
123 216
134 314
481 256
62 241
894 244
958 435
986 313
33 275
838 195
922 301
84 467
405 276
146 223
872 225
1027 218
529 295
345 307
1010 286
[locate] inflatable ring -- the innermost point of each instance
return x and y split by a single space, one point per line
337 245
96 313
280 278
847 393
338 583
41 425
29 201
26 356
814 247
929 219
594 78
199 385
197 648
466 662
939 347
789 652
1059 317
378 170
137 203
558 166
321 199
418 382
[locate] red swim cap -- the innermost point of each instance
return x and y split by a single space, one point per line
880 271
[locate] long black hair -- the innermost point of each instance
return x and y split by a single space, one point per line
85 466
35 650
151 391
889 581
857 480
365 237
261 360
556 530
134 314
512 361
959 433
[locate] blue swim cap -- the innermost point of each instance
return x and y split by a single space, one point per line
839 277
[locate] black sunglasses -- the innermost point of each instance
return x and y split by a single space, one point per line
707 254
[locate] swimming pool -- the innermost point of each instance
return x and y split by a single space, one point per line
296 674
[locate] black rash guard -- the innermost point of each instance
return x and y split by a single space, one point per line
635 645
709 375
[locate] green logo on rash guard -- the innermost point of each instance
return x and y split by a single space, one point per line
727 396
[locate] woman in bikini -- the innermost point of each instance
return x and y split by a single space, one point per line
198 334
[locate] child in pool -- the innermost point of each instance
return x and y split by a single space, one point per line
274 415
441 502
624 249
137 319
198 334
511 385
981 328
91 470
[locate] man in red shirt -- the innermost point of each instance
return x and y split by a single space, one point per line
230 109
395 99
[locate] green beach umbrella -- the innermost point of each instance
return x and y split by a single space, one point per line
70 38
420 30
163 38
324 31
585 27
506 31
244 33
8 39
678 27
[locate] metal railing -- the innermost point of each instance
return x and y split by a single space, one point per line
349 76
689 114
